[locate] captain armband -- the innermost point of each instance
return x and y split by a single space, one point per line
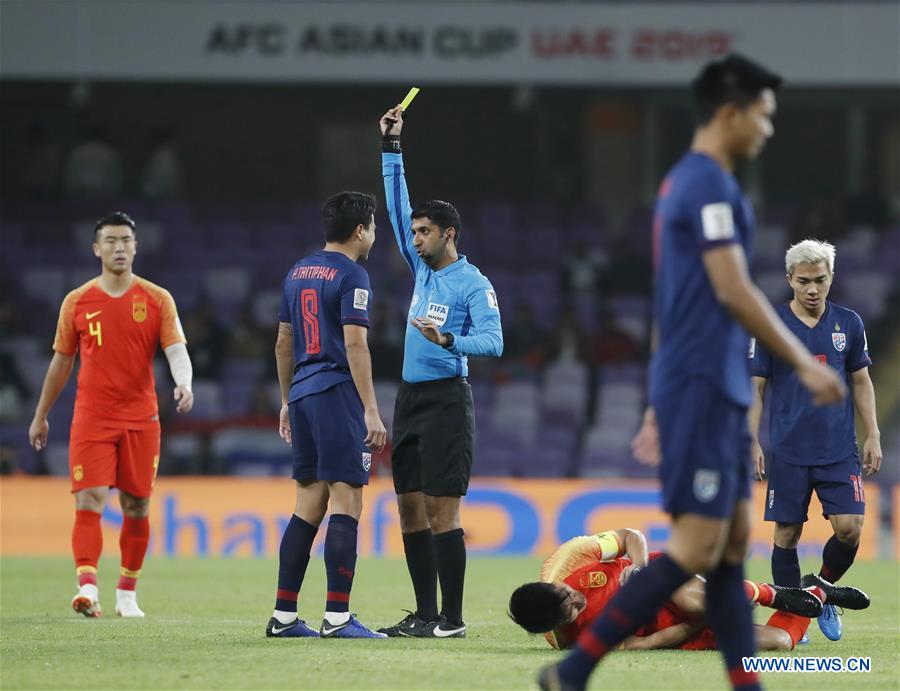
610 547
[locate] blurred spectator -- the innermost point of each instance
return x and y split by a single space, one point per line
823 218
10 316
94 168
524 342
246 339
610 344
868 207
206 341
631 273
13 401
264 406
582 270
42 171
567 340
162 176
13 391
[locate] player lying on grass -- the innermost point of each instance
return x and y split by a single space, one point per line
580 578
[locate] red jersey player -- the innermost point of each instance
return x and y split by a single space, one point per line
115 322
580 578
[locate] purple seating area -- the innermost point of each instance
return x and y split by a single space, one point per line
570 417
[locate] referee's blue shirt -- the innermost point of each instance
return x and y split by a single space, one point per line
458 298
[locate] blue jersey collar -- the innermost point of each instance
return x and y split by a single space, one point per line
458 264
822 319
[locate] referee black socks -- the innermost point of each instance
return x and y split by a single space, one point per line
450 554
422 568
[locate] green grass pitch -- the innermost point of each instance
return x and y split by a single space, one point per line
206 619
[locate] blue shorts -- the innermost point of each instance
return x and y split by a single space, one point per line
839 487
705 446
328 432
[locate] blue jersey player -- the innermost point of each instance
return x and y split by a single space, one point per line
329 414
453 314
814 448
699 380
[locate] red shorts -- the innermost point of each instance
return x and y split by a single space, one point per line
106 456
670 615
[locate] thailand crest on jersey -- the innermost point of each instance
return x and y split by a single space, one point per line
839 340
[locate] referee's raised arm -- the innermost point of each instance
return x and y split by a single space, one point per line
396 194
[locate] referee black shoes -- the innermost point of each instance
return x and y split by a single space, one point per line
411 626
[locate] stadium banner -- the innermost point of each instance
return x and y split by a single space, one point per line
245 517
645 43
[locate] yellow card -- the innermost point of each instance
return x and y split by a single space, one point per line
409 98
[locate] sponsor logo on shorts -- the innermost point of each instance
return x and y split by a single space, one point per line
437 313
366 461
771 498
839 341
706 484
752 353
78 473
360 299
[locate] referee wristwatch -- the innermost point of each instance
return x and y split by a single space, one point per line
450 340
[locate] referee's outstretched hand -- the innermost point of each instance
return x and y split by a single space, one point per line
429 330
392 121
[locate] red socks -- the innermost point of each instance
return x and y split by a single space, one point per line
87 544
133 545
794 625
761 593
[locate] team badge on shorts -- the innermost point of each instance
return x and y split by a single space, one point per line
139 309
366 461
78 473
839 341
706 484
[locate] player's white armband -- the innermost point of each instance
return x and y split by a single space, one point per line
610 547
180 364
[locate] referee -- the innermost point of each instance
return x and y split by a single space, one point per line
453 313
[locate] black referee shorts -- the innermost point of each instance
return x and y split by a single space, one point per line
433 438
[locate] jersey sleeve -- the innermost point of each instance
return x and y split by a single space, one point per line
760 360
396 197
66 340
858 357
170 329
355 294
481 333
710 211
578 552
